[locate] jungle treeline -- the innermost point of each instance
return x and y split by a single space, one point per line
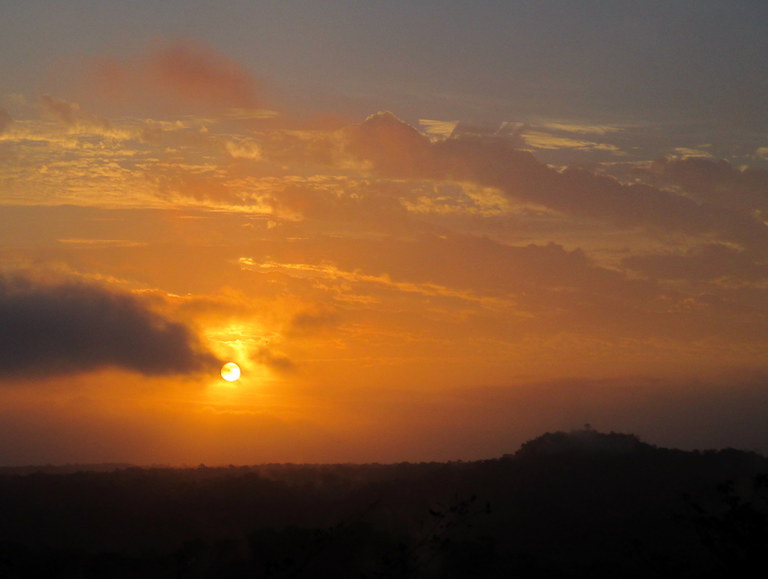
577 504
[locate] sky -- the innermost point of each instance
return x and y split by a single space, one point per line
423 230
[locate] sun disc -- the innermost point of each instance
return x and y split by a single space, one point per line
230 371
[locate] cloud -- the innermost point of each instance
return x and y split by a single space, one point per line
203 184
542 140
244 149
62 328
509 131
394 149
5 120
356 205
581 129
312 321
332 273
438 128
391 146
61 110
713 181
70 114
277 362
182 76
704 262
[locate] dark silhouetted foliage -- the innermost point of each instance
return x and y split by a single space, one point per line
579 504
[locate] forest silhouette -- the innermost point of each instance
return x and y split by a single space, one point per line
577 504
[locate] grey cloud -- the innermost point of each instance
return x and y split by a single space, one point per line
5 120
314 321
277 362
558 290
561 288
473 263
705 262
71 327
396 149
61 110
70 114
176 75
363 208
713 181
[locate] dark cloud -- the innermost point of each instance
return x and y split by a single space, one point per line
360 208
395 149
705 262
277 362
203 186
182 76
548 289
5 120
61 110
70 114
713 181
314 321
473 263
71 327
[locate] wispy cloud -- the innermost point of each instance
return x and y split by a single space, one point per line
332 273
185 76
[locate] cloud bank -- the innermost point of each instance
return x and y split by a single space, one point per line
71 327
393 148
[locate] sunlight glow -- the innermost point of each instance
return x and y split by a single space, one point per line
230 371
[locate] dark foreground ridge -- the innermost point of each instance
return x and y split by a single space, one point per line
579 504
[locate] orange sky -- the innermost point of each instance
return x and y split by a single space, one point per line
393 290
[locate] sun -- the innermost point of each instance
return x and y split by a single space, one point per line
230 371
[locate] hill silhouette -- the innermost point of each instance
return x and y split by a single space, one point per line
578 504
585 442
